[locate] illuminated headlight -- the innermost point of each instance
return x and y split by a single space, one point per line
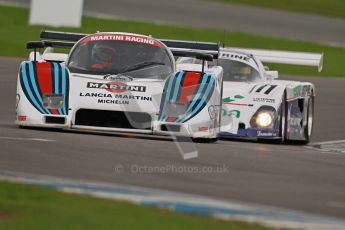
53 101
264 119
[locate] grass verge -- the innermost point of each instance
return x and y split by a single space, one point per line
330 8
15 32
31 207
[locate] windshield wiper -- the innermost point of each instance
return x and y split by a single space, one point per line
141 65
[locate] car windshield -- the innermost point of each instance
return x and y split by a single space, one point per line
238 71
139 57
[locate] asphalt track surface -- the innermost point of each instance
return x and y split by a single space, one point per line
287 176
208 14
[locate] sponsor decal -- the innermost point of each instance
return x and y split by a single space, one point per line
116 96
235 56
297 91
17 100
22 118
118 78
117 102
95 95
306 91
261 133
212 112
116 87
229 99
264 100
122 37
108 98
203 129
229 113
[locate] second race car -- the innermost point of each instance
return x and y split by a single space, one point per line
258 106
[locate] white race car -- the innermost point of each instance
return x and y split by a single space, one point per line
119 82
258 106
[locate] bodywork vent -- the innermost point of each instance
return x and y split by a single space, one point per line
55 120
263 89
113 119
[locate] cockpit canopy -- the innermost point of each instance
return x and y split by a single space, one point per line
238 71
235 69
126 54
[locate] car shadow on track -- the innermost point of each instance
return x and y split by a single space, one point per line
149 136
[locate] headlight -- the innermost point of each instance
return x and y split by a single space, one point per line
175 109
264 119
53 101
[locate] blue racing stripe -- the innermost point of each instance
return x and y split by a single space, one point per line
167 95
64 83
56 78
177 86
201 102
196 97
27 87
56 81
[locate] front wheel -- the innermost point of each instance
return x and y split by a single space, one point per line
308 127
282 119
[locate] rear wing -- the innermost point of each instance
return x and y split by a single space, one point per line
284 57
201 50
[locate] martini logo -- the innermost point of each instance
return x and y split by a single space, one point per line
235 56
118 78
116 87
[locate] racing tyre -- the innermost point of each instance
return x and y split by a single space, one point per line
282 121
308 128
282 125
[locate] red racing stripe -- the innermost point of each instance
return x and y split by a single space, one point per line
190 84
44 78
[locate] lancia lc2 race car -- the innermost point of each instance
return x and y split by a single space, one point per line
119 82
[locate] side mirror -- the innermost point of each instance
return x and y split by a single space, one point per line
272 74
35 45
204 57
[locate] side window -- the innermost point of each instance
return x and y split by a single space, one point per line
238 71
